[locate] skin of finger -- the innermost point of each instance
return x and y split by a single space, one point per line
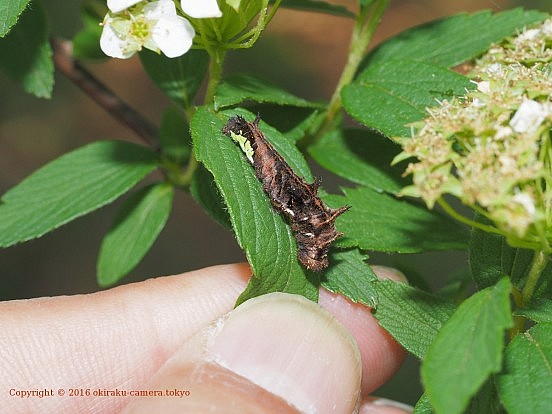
284 343
115 339
381 354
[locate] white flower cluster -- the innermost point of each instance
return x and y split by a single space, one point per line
156 25
491 148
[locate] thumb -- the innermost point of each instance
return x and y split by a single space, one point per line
275 353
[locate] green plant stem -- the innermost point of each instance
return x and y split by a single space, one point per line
365 25
540 260
215 73
521 299
454 214
214 78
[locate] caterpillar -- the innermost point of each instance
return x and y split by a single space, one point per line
312 222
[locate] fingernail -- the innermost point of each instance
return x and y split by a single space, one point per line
386 272
293 348
384 406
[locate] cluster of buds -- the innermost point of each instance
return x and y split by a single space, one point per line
491 148
156 25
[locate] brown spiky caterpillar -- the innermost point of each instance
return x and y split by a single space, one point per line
312 222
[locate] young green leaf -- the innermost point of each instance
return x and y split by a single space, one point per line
360 156
241 87
133 232
413 317
384 223
439 42
179 78
263 234
526 379
388 95
467 349
70 186
9 13
25 53
423 406
318 6
351 276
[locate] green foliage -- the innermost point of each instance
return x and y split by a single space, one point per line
381 222
240 88
262 234
179 78
389 95
412 316
409 72
174 137
459 338
350 276
25 53
360 156
318 6
469 345
9 13
74 184
439 42
86 43
526 379
136 227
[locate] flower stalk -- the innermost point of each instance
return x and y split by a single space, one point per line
365 25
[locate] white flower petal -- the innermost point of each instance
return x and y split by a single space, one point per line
159 9
173 35
119 5
484 86
528 117
201 9
112 45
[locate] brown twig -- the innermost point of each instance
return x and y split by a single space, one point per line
104 97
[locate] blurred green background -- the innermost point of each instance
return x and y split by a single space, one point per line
300 51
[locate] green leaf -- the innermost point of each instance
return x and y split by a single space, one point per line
351 276
26 55
423 406
266 239
408 73
455 39
360 156
384 223
467 349
318 6
70 186
231 24
413 317
538 311
491 258
179 78
174 136
389 95
86 43
486 400
9 13
207 195
526 379
135 229
241 87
